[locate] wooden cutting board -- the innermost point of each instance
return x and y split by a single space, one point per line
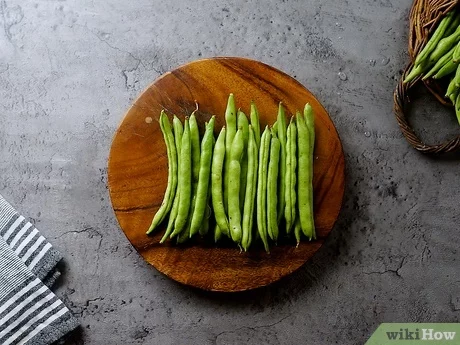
138 169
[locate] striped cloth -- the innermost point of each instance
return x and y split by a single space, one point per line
30 313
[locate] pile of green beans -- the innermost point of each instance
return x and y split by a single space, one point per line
440 58
246 185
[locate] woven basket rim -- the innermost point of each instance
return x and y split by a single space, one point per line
424 17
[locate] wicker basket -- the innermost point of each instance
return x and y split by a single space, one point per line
424 17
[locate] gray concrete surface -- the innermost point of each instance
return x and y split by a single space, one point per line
70 69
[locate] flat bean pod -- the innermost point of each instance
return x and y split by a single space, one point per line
243 123
172 173
234 209
272 188
291 176
282 134
185 181
264 152
255 122
178 130
230 123
304 178
204 177
251 188
216 183
310 122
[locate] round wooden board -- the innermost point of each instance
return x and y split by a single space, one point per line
138 170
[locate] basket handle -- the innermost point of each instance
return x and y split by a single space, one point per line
401 100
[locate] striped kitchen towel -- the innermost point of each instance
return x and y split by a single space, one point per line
30 313
31 247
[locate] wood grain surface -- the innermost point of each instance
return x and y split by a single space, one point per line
138 169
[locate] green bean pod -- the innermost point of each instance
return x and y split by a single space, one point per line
282 134
255 122
297 230
456 81
456 56
457 108
291 176
447 69
415 72
304 174
234 209
444 46
453 88
435 38
251 188
310 122
216 183
172 173
204 175
207 214
272 188
264 153
243 123
178 130
217 233
230 123
185 181
455 22
440 63
195 146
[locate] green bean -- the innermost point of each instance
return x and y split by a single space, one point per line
441 62
204 174
444 46
264 152
207 215
282 133
172 173
251 186
456 81
304 176
452 89
456 56
435 38
185 181
234 209
216 183
447 69
255 122
457 108
217 233
178 130
453 25
195 145
243 123
310 122
297 230
415 72
272 188
230 122
275 128
185 233
291 165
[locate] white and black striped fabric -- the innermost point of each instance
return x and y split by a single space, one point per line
30 313
25 240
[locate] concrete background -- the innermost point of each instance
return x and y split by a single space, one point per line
70 69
